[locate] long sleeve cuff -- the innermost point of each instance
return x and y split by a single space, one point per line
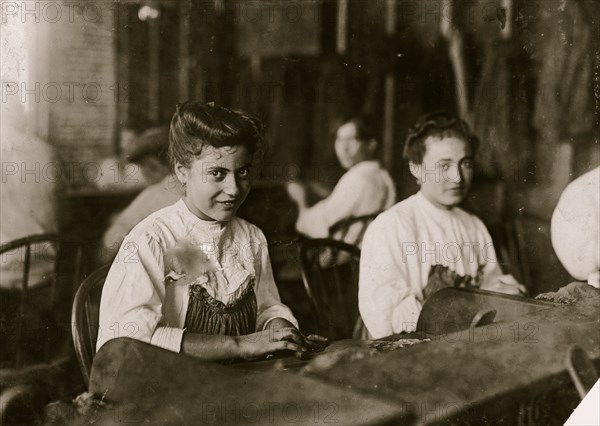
406 315
382 323
311 222
169 338
275 311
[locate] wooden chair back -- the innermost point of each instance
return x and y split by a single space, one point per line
85 319
330 271
351 230
42 275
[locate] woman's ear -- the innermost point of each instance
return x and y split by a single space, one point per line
415 170
182 173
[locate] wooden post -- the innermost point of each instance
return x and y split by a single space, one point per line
456 57
389 107
122 88
342 27
184 50
154 69
508 7
446 18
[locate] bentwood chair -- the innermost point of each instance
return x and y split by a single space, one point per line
40 274
330 274
85 319
351 229
20 404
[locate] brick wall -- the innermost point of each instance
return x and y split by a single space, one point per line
82 121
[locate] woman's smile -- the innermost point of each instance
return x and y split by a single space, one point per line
228 204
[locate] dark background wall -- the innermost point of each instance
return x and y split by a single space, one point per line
301 65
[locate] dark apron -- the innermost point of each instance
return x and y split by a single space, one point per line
207 315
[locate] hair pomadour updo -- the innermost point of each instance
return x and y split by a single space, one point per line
195 125
437 124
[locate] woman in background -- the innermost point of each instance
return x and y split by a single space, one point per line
365 189
163 189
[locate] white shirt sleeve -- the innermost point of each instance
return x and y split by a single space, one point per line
133 296
386 300
575 227
315 221
268 302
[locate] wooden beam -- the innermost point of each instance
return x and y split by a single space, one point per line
184 50
342 27
455 46
508 7
389 107
154 69
122 89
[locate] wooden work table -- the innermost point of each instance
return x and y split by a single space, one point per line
155 386
502 372
512 371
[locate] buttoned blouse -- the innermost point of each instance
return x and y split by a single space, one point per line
400 249
146 292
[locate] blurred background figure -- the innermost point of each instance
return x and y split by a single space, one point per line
30 195
576 228
365 189
149 152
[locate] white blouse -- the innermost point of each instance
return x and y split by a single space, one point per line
400 248
145 295
150 200
366 188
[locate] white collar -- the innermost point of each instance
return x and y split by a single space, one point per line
195 220
432 209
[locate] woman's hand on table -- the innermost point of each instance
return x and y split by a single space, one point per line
506 284
265 342
280 334
310 342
